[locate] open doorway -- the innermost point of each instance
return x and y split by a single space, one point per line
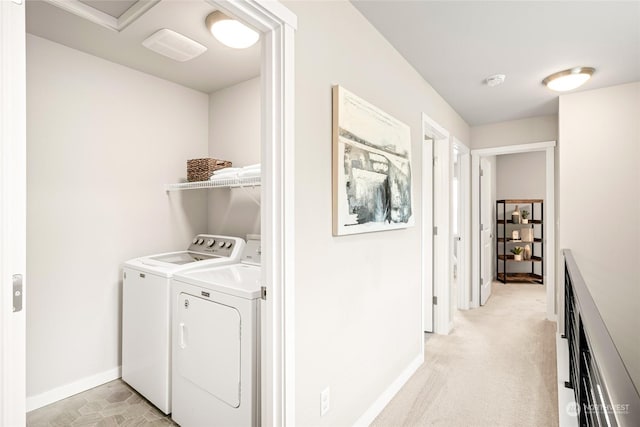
514 178
460 226
446 227
276 25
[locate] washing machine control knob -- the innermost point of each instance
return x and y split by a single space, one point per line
195 240
228 245
200 241
210 242
221 244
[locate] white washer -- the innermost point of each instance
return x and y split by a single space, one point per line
146 311
216 350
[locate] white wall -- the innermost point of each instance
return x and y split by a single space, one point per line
234 134
358 302
600 205
103 140
521 176
514 132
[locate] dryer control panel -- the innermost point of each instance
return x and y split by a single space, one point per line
223 246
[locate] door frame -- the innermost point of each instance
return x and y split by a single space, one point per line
13 202
277 25
427 321
437 274
464 256
550 217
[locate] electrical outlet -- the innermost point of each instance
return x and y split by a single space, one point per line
324 401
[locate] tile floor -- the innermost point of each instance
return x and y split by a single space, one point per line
111 404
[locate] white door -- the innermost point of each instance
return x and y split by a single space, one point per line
427 250
486 222
12 212
442 235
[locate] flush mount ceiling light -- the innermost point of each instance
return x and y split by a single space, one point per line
495 80
230 32
570 79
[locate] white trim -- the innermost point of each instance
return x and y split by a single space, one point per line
277 203
464 279
12 211
426 245
441 215
549 217
476 241
393 389
514 149
550 231
67 390
432 129
96 16
565 395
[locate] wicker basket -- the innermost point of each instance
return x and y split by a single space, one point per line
202 169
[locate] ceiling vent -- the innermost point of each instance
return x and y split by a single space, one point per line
174 45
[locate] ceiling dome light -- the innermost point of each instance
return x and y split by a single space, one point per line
568 79
230 32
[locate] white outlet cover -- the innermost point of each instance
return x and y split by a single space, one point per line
324 401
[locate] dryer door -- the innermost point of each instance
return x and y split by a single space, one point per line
208 347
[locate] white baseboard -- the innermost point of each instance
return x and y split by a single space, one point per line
67 390
381 402
566 398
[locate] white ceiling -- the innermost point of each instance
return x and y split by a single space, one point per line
217 68
455 45
110 7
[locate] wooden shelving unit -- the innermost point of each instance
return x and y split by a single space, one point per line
504 241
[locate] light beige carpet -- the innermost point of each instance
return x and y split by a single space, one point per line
496 368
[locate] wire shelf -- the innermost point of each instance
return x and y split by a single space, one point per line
233 182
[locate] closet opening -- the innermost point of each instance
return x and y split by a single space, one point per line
111 126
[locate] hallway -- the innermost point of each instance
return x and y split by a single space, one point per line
496 368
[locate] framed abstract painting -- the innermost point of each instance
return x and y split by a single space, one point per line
371 168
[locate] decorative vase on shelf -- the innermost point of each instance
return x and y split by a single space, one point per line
515 216
527 252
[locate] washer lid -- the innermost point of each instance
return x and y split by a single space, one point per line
240 280
180 258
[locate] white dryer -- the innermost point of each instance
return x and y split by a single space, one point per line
146 311
216 350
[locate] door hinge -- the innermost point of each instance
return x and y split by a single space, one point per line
481 281
263 292
481 172
435 231
435 161
17 293
435 300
